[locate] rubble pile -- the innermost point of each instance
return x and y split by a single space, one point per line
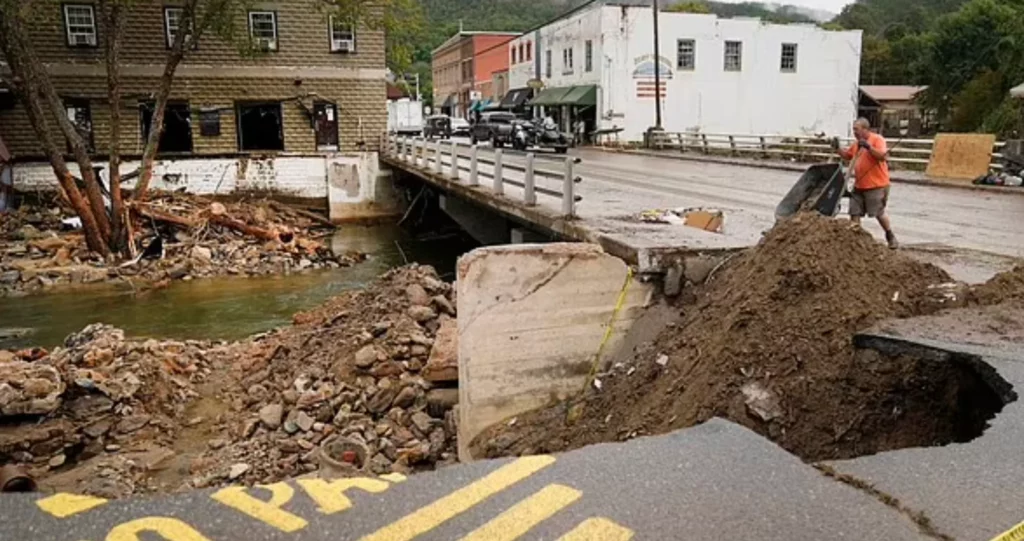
199 238
363 369
99 396
1003 287
767 343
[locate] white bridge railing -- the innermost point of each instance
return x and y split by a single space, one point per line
907 153
476 166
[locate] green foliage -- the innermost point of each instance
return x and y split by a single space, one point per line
402 21
692 6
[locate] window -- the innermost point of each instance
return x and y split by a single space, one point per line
547 63
522 53
566 61
260 126
325 123
513 55
177 135
80 115
529 51
733 56
686 54
263 29
172 22
80 24
343 36
588 56
789 57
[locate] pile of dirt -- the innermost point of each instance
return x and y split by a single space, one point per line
99 395
200 238
352 368
1003 287
767 344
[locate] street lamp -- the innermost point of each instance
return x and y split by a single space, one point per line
657 82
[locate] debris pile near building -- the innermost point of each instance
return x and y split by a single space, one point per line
40 247
355 368
98 395
767 343
113 417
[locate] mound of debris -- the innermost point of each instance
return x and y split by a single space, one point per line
768 344
99 395
198 238
1003 287
363 368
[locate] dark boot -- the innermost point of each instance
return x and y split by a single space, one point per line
890 238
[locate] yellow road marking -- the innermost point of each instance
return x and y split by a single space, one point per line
170 529
598 529
63 505
1013 534
431 516
393 477
330 496
269 512
526 514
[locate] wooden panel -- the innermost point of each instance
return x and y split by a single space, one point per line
961 156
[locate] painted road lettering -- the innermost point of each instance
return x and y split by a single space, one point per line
330 495
431 516
598 529
170 529
523 516
269 512
1013 534
63 505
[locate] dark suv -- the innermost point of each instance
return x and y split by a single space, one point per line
493 127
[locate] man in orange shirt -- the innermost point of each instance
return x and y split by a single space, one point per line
871 191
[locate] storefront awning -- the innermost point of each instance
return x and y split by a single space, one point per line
551 96
581 96
478 105
516 98
449 102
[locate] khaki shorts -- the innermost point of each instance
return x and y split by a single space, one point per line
870 202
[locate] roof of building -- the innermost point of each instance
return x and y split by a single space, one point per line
892 92
396 92
459 35
1017 91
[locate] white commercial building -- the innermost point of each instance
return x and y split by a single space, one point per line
736 76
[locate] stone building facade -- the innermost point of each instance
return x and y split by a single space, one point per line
313 87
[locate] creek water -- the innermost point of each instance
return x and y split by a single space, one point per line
221 308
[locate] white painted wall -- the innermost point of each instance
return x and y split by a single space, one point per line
821 96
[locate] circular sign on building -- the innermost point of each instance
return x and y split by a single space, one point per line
535 84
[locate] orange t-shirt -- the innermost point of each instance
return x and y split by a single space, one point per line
869 172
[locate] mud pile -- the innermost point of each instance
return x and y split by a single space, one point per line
200 238
767 344
1005 286
97 397
352 368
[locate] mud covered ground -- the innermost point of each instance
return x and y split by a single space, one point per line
767 343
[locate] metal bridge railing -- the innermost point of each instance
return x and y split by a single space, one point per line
476 166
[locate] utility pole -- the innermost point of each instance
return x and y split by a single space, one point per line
657 72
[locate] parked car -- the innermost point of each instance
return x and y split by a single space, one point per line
438 126
460 127
493 127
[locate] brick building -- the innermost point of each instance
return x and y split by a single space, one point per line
315 87
463 69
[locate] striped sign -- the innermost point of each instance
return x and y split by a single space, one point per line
646 89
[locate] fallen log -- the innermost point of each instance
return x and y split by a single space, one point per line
246 229
280 207
148 212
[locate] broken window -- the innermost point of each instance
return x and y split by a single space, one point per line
177 135
80 115
686 50
80 25
733 56
325 122
789 57
263 30
343 37
260 126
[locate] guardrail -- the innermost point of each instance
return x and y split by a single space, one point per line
906 153
455 159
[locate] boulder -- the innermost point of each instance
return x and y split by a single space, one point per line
29 388
443 363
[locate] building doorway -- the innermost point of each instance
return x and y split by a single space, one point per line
325 124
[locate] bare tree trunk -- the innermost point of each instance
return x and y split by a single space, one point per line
115 17
26 77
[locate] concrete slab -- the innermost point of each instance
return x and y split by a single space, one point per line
534 321
972 490
711 482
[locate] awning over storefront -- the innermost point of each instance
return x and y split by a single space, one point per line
516 98
479 105
449 102
577 96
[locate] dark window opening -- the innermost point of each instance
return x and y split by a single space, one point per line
209 123
260 126
325 119
177 135
80 115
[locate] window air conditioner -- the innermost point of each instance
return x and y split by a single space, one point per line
266 44
344 45
83 39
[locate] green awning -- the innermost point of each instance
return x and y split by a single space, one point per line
551 96
479 105
581 96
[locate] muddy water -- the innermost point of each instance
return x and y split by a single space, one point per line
219 308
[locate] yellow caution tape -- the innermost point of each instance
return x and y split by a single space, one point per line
1013 534
611 327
